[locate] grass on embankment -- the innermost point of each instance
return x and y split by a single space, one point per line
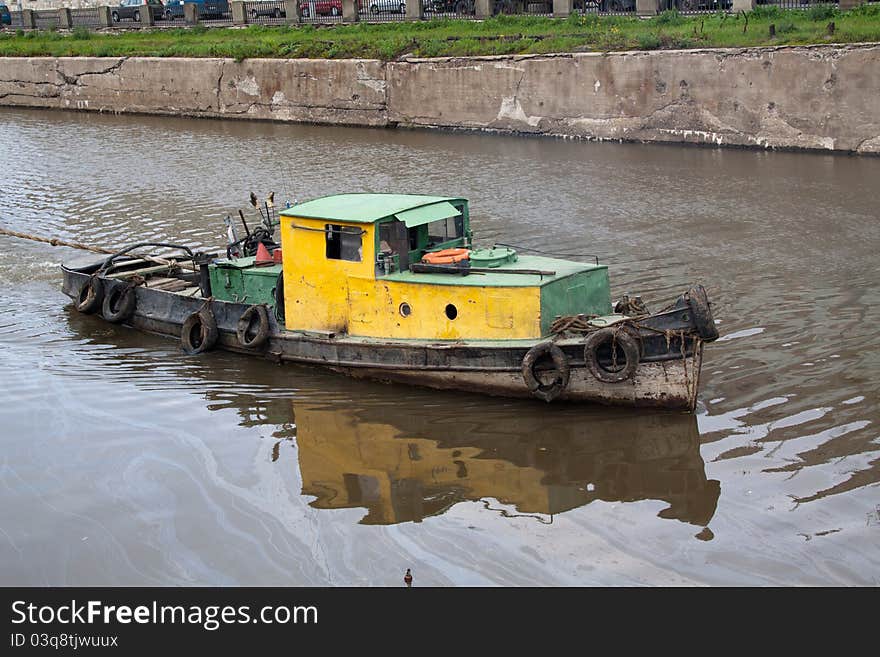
496 36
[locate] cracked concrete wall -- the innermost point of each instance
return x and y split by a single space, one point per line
816 97
320 91
350 92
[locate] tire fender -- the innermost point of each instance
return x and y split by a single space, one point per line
244 323
91 296
278 293
119 303
698 302
199 332
544 391
625 341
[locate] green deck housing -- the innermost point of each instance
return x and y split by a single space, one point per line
237 280
585 292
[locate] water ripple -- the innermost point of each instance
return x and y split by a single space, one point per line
126 462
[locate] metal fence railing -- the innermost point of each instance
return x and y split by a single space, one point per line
381 11
46 19
210 12
796 4
85 17
274 12
538 8
320 11
116 17
449 9
268 12
220 19
700 6
612 7
468 9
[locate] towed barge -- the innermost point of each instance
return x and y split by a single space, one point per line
390 287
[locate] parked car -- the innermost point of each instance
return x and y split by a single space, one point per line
5 16
704 5
272 10
611 5
207 8
469 7
450 6
131 10
382 6
321 8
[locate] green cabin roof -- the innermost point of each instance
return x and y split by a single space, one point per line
367 208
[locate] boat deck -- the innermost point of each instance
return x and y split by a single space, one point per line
504 275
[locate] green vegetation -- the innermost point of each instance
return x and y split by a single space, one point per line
81 33
497 36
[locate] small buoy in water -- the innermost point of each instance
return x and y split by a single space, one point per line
408 577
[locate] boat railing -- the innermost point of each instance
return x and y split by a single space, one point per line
573 256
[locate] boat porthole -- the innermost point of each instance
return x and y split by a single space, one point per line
451 311
405 309
685 317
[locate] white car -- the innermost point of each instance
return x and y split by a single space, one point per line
377 6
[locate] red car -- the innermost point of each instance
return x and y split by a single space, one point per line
306 8
320 8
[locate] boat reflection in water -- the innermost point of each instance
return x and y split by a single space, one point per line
407 454
405 463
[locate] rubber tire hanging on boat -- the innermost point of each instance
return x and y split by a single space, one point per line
203 325
622 339
91 295
543 391
244 323
124 299
278 293
698 302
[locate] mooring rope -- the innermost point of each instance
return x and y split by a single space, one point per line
54 241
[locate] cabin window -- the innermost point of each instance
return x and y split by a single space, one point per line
385 238
343 243
445 230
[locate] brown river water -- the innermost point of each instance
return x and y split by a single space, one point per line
125 462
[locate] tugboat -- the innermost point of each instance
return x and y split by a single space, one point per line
390 287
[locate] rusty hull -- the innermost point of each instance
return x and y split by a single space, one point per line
667 380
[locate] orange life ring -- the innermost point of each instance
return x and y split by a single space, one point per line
446 256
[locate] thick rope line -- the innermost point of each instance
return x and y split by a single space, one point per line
85 247
55 242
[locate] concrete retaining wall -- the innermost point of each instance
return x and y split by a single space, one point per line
819 97
349 92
